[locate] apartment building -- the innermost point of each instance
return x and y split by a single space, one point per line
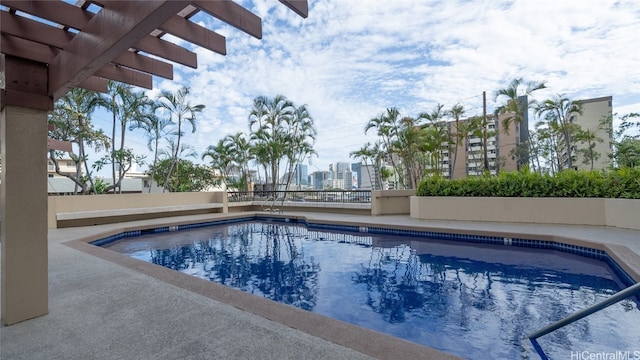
594 111
501 145
66 165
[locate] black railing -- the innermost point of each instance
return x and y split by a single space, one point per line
353 196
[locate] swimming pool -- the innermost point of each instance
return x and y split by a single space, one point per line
454 296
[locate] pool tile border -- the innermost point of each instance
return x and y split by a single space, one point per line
584 251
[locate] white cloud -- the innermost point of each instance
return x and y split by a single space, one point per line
350 60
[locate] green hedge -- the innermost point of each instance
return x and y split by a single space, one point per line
622 183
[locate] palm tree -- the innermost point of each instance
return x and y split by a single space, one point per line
625 140
240 149
456 112
410 147
511 104
466 129
561 110
178 105
165 162
514 105
72 120
475 128
222 158
126 107
590 138
365 153
436 136
547 136
387 126
267 123
300 137
155 129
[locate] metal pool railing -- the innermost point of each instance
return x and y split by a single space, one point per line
353 196
619 296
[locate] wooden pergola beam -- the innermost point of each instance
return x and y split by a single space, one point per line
124 75
94 83
30 50
167 50
194 33
106 36
300 7
34 30
56 11
145 64
234 15
75 17
27 49
42 34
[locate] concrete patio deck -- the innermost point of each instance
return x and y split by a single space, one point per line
104 305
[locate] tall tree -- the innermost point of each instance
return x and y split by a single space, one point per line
156 129
241 151
387 126
436 136
560 110
456 112
127 106
512 109
72 122
301 135
547 143
409 146
179 108
475 128
625 139
267 123
509 100
221 158
365 154
465 130
589 138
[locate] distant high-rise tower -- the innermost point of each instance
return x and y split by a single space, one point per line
322 180
338 169
300 174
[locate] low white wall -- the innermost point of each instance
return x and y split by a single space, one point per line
82 203
390 202
624 213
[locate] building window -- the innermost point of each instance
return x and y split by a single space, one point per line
50 175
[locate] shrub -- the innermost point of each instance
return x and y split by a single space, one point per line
621 183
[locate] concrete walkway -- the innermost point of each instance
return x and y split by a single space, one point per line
104 305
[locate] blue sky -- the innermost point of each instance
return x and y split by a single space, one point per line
351 59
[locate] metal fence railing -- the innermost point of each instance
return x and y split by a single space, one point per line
353 196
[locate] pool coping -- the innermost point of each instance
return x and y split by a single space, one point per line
363 340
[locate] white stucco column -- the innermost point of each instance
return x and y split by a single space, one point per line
23 214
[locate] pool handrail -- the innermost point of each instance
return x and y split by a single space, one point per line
617 297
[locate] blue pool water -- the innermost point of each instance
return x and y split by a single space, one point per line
473 300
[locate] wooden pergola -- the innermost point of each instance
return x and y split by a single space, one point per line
50 47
